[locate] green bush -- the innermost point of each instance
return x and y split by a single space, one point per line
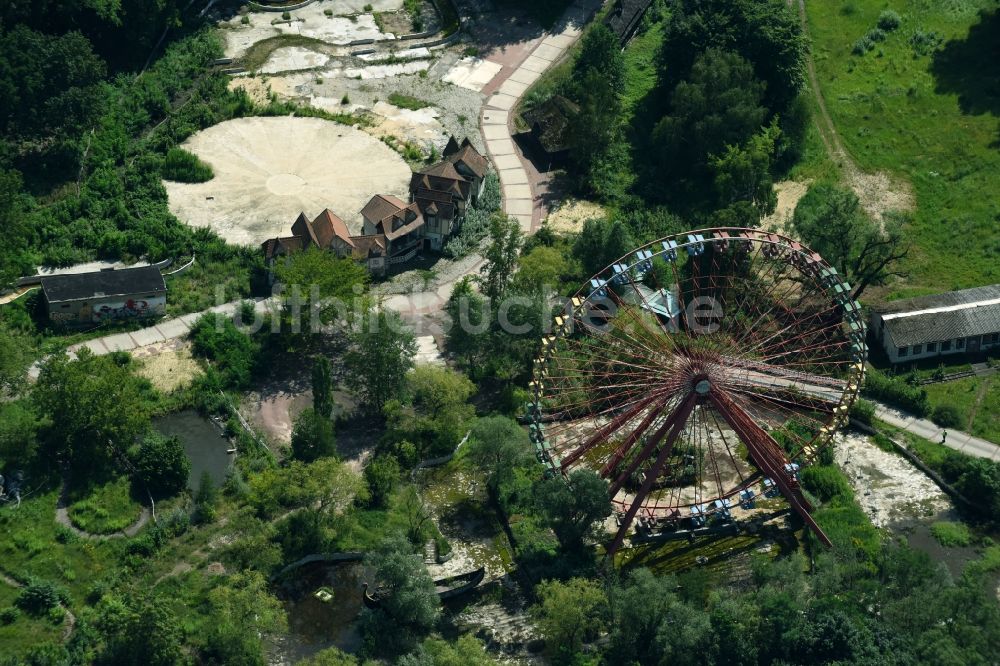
9 615
286 16
875 35
345 99
368 8
39 596
863 411
407 102
889 20
825 482
951 535
245 20
947 416
329 12
185 167
896 392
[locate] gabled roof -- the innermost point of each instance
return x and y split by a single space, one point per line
400 223
471 158
443 170
328 226
624 18
101 284
455 185
948 316
368 246
380 206
551 121
442 202
275 247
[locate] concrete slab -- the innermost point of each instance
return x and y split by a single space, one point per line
513 88
146 336
507 162
172 328
524 76
96 346
560 41
520 191
292 58
500 145
427 351
495 117
472 73
491 132
513 176
519 207
189 319
547 52
502 101
119 342
533 64
525 222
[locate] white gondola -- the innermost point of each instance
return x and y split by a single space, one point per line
696 245
670 250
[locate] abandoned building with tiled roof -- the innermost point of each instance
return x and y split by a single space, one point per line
966 321
393 231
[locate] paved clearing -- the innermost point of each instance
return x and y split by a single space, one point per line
267 170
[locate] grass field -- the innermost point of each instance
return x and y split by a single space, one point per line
25 631
929 119
106 509
977 399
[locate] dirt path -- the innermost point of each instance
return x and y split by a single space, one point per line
70 617
876 191
977 403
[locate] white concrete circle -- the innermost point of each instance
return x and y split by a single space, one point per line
285 184
268 170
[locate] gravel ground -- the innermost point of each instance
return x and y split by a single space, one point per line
888 487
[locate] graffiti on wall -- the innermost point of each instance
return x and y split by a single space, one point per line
128 309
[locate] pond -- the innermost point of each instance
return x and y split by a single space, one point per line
203 441
315 625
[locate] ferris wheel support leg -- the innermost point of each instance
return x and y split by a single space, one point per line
603 433
678 418
632 438
769 456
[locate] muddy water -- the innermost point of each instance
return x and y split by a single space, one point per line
202 441
315 625
918 535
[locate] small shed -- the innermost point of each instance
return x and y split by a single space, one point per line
85 299
551 123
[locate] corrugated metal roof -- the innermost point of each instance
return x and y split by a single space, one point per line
937 326
120 282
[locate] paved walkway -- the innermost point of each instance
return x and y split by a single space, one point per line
497 117
958 440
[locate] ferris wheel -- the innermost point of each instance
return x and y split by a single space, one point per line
697 373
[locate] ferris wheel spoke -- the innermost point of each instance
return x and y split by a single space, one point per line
615 424
633 437
676 421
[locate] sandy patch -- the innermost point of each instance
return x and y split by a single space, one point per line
472 73
879 194
167 365
789 193
257 89
291 58
888 487
421 126
571 215
268 170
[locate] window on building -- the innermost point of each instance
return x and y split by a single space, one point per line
995 338
946 346
931 346
902 351
64 306
960 343
917 349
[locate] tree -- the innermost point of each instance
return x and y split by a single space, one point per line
743 173
572 507
329 657
465 651
381 475
205 498
326 284
500 256
602 241
139 631
215 336
96 408
162 467
719 104
322 386
829 219
567 614
601 52
380 356
409 606
542 267
496 446
242 612
437 416
312 436
470 321
767 34
595 130
18 434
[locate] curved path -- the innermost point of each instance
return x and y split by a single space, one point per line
70 617
62 517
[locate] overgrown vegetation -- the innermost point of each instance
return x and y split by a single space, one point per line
185 167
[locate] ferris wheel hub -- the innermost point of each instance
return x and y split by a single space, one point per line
702 386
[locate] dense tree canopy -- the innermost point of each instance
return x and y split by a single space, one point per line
161 465
380 356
